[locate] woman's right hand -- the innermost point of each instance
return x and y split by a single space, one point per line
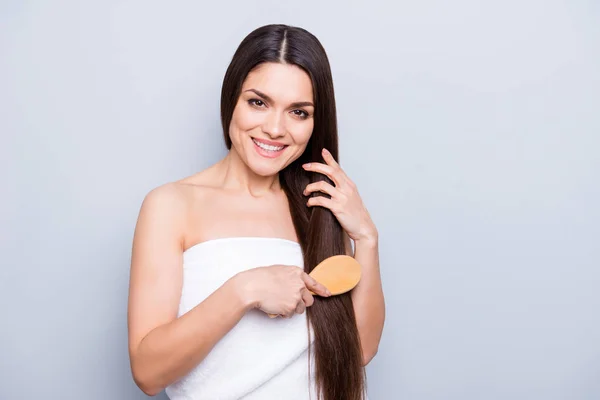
280 289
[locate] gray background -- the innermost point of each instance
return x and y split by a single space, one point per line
471 128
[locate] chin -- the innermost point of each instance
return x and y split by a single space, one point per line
263 168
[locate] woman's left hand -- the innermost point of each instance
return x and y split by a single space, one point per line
345 202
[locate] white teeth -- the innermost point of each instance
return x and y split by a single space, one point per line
267 147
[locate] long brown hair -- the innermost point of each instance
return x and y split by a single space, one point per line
338 357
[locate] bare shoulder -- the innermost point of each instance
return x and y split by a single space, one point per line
173 203
169 200
174 197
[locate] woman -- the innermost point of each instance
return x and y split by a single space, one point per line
216 252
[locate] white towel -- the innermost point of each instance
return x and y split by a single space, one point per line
260 358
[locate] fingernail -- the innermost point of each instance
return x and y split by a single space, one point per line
306 165
325 151
328 292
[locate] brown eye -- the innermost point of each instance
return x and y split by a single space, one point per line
301 113
256 102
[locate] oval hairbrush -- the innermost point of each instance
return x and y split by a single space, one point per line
339 274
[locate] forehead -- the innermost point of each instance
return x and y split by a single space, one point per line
284 83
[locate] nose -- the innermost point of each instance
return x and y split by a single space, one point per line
274 124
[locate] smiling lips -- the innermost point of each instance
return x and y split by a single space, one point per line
267 148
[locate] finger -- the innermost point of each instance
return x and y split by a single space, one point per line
321 186
300 307
343 178
328 157
307 298
337 169
323 202
315 286
324 169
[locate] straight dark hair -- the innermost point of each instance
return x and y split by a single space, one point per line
339 371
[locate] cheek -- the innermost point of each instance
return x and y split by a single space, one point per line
244 119
302 132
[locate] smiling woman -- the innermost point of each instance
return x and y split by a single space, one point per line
273 117
216 252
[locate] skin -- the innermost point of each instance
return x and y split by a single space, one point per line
243 186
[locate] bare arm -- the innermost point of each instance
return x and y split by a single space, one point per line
367 296
162 347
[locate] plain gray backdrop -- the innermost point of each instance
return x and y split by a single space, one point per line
471 128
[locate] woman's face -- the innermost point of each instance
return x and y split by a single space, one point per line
273 118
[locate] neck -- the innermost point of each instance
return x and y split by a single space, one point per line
236 175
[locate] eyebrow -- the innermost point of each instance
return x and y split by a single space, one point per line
270 100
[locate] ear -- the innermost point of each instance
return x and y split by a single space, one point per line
348 245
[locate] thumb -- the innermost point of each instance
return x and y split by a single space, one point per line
314 286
